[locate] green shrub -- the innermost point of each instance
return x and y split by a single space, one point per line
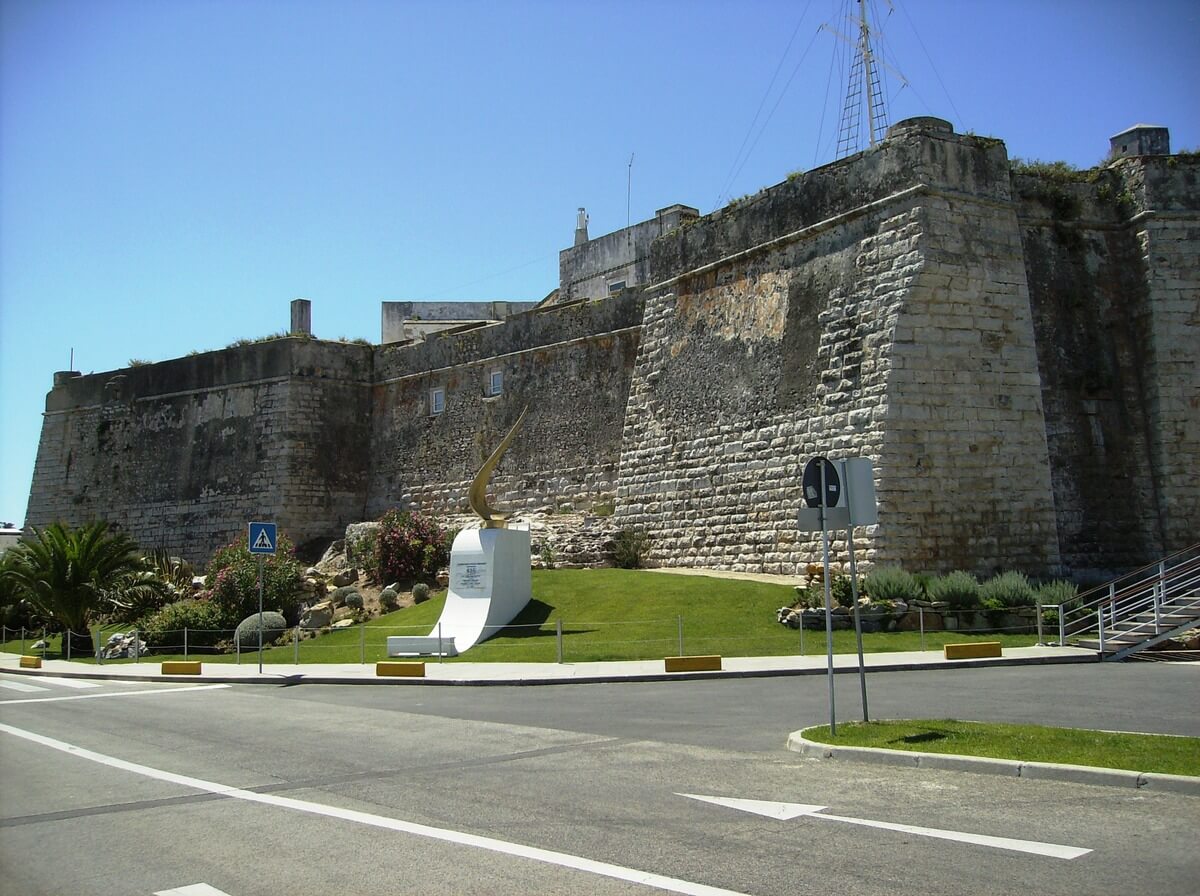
408 546
388 600
354 600
341 596
1008 589
201 618
843 593
892 583
629 548
420 593
1058 592
810 596
233 581
959 589
273 626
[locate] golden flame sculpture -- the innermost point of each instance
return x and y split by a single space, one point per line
492 519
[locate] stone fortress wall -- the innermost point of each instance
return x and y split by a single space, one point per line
183 454
1015 353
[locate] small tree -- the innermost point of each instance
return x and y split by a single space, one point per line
71 575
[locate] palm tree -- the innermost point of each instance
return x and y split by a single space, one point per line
71 574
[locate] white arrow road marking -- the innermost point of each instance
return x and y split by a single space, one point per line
782 811
546 856
192 890
787 811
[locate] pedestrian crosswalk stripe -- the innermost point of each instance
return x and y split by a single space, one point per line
68 682
143 692
20 686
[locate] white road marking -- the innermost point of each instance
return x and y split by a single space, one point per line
198 687
546 856
782 811
192 890
77 683
786 811
19 686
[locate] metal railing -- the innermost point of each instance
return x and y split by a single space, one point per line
1137 610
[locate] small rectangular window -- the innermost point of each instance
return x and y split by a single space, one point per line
495 382
437 400
616 286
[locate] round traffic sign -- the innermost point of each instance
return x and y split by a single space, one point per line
811 483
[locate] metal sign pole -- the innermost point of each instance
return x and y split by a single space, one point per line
862 675
260 611
828 606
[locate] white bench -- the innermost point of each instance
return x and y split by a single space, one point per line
420 645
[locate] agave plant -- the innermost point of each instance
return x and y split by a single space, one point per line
164 579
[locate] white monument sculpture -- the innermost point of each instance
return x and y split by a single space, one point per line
490 579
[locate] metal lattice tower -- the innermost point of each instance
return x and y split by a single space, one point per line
862 101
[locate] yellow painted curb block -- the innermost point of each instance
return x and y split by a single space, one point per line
31 662
181 667
973 651
693 663
400 670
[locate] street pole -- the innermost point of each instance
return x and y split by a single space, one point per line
260 611
862 675
828 606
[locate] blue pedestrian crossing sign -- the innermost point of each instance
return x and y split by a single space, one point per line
262 538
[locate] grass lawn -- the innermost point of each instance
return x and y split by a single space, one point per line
609 614
1026 743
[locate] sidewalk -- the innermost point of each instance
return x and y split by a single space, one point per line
459 673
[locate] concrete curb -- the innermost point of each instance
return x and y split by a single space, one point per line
212 673
1035 771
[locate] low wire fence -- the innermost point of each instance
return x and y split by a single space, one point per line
559 641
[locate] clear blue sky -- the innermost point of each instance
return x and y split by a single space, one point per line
173 174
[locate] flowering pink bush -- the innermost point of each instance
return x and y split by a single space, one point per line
408 546
233 581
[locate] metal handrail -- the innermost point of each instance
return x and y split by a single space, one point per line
1143 591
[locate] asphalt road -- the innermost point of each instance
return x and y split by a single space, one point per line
137 788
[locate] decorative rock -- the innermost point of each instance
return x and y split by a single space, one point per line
345 577
317 616
343 623
121 645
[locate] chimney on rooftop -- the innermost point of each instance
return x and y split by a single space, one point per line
301 317
581 222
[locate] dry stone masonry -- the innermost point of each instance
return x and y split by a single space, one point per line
1014 349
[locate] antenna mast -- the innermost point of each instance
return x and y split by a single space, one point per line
864 76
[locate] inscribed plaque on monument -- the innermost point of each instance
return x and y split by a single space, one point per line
470 577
